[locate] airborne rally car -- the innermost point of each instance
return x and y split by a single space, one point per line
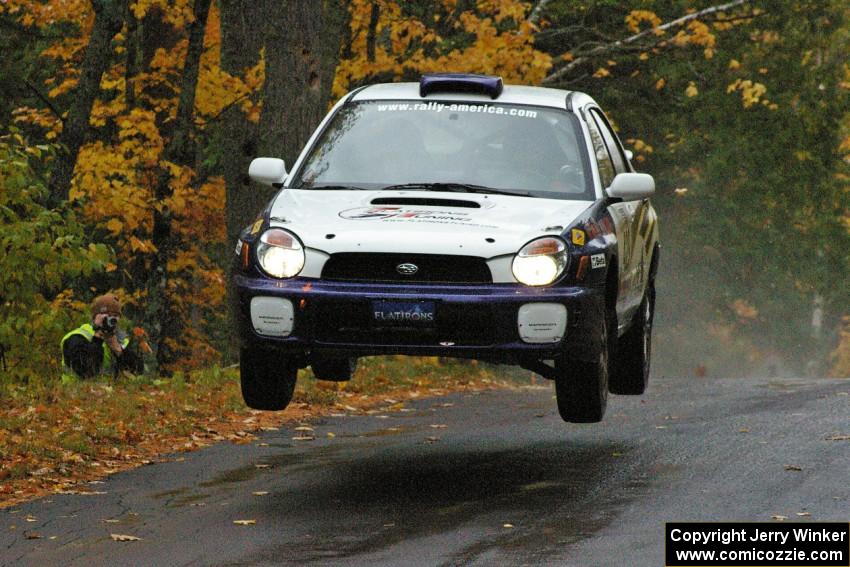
453 217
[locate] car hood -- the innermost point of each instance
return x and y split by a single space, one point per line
424 222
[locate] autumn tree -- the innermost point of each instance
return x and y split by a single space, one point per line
179 151
108 18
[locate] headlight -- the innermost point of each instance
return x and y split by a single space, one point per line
541 261
280 253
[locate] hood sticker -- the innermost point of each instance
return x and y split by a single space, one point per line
407 215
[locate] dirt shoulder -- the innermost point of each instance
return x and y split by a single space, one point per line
60 439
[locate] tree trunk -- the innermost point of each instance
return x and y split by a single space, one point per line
302 41
241 42
131 65
372 34
161 311
107 22
302 52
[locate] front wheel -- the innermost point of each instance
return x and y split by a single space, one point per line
631 372
267 379
581 388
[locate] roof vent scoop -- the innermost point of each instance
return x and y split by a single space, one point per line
460 83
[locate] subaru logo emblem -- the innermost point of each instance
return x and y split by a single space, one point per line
407 269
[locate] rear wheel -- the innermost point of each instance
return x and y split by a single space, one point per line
267 379
581 388
634 349
334 369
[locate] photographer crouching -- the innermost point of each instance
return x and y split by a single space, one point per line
99 347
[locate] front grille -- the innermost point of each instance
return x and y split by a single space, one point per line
354 323
431 268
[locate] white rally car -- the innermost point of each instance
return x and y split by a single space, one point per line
454 217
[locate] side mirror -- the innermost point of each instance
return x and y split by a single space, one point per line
268 171
631 186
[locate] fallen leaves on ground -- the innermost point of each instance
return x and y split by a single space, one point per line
123 537
59 438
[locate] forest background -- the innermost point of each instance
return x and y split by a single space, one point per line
126 129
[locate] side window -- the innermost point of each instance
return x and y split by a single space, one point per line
610 141
606 167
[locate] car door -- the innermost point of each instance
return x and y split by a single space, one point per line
627 216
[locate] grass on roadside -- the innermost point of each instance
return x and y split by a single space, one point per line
52 438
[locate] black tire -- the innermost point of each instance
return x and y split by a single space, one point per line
267 379
634 350
581 388
334 369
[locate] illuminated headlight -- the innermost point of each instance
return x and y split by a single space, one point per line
541 261
280 253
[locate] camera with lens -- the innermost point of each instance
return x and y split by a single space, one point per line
110 323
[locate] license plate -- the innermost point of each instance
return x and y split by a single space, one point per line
404 313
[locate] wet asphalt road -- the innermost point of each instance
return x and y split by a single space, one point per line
390 489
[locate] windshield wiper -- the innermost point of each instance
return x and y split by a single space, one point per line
455 188
332 188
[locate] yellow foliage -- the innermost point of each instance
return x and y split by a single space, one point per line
40 117
640 146
751 93
696 33
217 89
692 90
637 17
508 52
177 13
41 13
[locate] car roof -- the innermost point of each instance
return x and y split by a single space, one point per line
512 94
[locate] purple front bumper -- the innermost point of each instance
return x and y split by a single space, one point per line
472 321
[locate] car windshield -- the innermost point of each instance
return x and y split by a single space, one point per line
446 146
